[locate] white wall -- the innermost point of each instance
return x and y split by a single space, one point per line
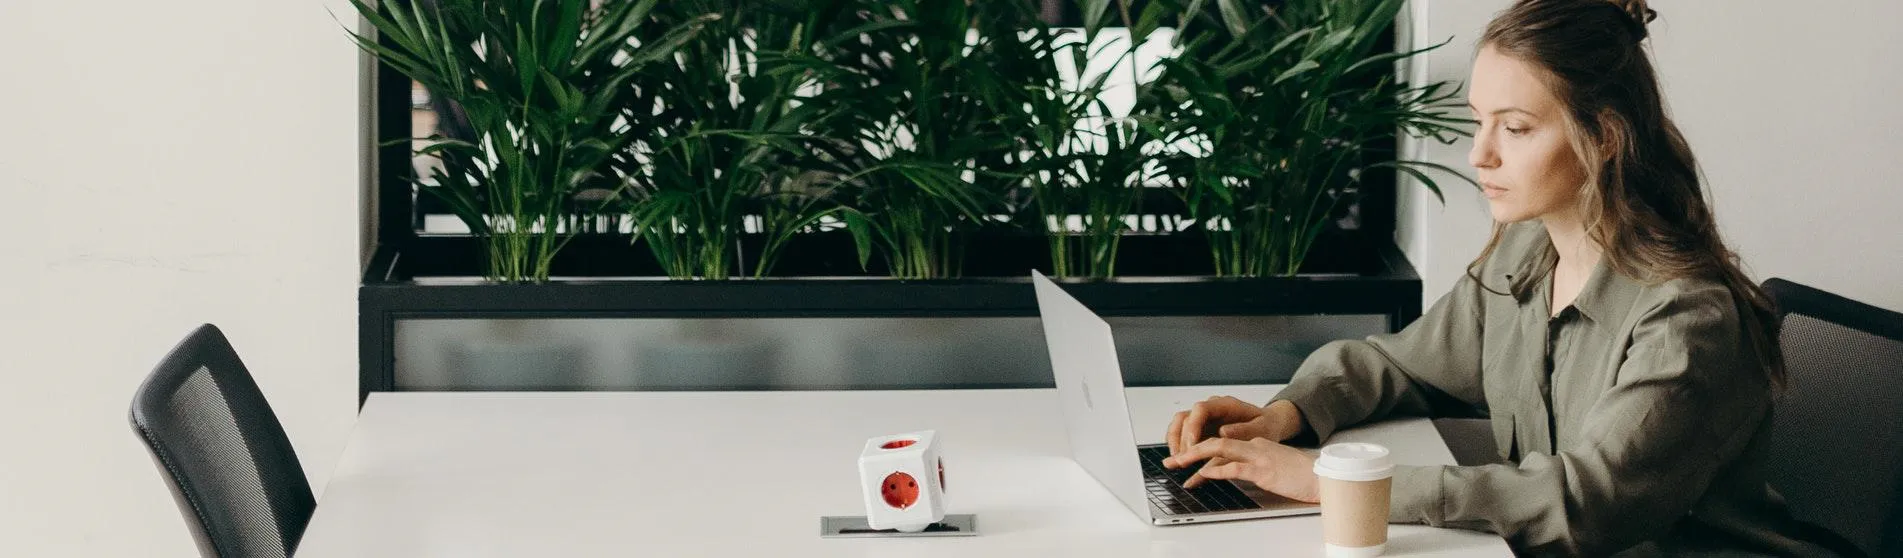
1440 239
1792 111
164 164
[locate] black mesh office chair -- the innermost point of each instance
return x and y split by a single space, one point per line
1836 449
223 453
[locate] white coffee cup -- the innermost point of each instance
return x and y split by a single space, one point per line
1356 479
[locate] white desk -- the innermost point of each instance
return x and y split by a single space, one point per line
750 473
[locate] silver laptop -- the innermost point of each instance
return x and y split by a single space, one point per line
1097 417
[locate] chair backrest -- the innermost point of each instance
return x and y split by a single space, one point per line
1836 449
231 469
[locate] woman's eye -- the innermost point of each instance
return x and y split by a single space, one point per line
1516 131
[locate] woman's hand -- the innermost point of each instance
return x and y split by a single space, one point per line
1229 417
1269 465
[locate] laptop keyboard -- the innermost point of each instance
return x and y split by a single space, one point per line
1165 487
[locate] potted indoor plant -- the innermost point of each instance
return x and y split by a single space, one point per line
910 130
539 82
1275 116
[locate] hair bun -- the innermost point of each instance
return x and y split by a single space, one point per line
1640 15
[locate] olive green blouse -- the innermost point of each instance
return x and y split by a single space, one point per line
1634 422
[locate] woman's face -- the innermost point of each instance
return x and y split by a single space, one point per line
1521 151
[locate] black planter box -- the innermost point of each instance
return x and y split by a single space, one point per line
818 277
412 275
1355 270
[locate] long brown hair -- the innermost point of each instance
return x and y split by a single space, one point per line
1642 203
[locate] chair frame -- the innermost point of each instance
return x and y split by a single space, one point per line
207 347
1795 298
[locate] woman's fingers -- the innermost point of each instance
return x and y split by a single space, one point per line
1211 448
1219 469
1206 418
1269 465
1227 459
1193 424
1172 436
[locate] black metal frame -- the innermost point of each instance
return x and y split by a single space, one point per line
1358 272
1796 298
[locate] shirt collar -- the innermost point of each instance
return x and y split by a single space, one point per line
1606 297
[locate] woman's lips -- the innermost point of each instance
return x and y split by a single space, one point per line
1491 190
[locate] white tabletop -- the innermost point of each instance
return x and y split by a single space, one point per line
477 474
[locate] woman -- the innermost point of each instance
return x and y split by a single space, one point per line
1625 362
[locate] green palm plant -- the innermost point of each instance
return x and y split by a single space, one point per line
1282 112
1107 186
538 80
1084 164
1089 164
725 140
917 102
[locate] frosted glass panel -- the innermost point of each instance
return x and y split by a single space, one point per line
840 353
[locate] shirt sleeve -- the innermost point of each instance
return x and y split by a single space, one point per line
1433 362
1685 402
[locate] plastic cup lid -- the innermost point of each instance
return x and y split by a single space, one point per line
1354 462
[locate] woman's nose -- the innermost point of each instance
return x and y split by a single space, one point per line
1483 155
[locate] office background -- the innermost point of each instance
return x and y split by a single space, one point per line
165 164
